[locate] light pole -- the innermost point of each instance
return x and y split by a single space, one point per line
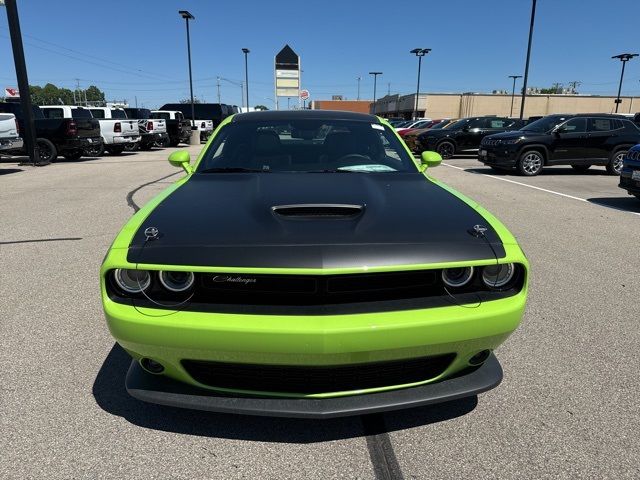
23 82
526 67
375 78
513 91
218 85
246 75
418 52
187 16
624 58
358 78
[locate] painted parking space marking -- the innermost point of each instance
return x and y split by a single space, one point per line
536 188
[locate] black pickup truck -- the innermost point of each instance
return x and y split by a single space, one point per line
178 128
56 136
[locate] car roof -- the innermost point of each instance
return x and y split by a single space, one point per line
279 115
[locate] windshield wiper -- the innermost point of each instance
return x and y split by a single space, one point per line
233 170
329 170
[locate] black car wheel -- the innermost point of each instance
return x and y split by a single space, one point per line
163 142
530 163
446 149
615 162
73 156
581 168
47 149
94 150
131 147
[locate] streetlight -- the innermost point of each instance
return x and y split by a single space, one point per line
358 78
513 91
419 52
187 16
246 75
526 68
624 58
375 78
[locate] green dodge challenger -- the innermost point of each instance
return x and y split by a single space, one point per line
307 266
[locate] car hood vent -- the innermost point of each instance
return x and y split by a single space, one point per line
318 210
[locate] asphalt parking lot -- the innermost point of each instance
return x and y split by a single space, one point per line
568 406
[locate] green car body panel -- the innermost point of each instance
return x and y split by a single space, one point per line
169 336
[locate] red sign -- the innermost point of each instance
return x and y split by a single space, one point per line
11 92
304 94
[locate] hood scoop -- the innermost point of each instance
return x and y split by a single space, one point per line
318 210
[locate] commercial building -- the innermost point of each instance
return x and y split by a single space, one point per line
457 105
358 106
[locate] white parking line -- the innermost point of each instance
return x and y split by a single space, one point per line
536 188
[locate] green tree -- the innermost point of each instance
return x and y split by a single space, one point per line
94 94
261 107
188 100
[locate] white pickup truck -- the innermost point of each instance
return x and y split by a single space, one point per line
9 132
152 130
116 129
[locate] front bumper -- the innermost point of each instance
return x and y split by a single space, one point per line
165 391
499 155
626 181
11 143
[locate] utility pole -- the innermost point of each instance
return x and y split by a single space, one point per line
23 83
513 91
573 85
358 78
388 88
526 67
218 80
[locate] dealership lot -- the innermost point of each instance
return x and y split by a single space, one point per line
566 409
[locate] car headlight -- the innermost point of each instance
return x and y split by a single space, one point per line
457 277
512 141
176 281
132 281
496 276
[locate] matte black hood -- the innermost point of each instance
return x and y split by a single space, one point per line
227 220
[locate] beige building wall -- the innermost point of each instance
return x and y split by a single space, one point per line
439 105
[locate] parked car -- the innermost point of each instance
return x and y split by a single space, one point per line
465 134
343 298
630 173
422 123
84 121
9 133
207 115
411 136
57 135
153 131
422 126
579 140
116 130
178 128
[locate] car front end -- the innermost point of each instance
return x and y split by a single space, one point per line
501 149
276 304
630 173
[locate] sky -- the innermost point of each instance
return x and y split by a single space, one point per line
136 50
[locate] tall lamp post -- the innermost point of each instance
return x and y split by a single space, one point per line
513 91
526 67
358 78
246 75
418 52
375 78
187 16
624 58
23 82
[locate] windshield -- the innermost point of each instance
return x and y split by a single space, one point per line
118 113
336 146
80 113
545 124
457 125
440 125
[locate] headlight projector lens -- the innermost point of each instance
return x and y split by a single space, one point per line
132 281
457 277
496 276
177 281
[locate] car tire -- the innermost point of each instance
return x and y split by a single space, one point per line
530 163
581 168
146 147
446 149
48 151
73 156
131 147
94 150
174 143
163 142
615 162
116 150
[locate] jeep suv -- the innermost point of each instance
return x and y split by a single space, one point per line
579 140
465 134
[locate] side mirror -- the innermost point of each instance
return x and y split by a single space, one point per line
181 158
429 159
